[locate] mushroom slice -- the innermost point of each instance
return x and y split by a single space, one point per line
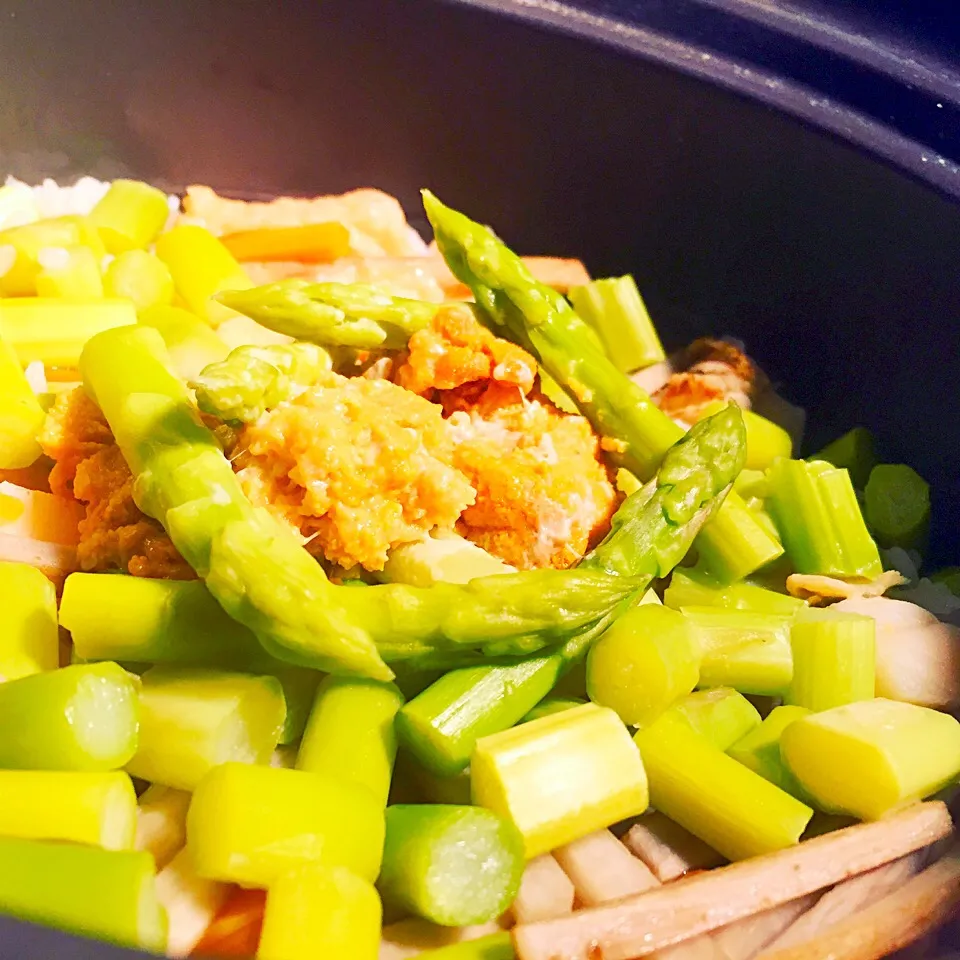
818 590
640 925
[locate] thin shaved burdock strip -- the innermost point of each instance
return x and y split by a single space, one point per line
743 939
845 899
641 925
891 923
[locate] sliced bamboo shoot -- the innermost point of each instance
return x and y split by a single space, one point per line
545 891
668 849
643 924
603 869
190 901
162 823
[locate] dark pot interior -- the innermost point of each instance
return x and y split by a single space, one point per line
838 271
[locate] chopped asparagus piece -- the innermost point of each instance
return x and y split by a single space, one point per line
452 865
873 756
70 272
695 588
29 641
731 808
130 215
747 651
96 808
21 416
107 894
834 657
644 662
193 719
250 824
55 331
321 911
721 715
441 725
760 749
27 241
253 379
897 506
451 559
83 717
586 755
190 342
735 543
818 515
615 310
334 314
350 733
201 267
141 277
853 451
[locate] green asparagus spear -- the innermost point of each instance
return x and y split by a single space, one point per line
638 433
541 319
333 314
259 572
452 865
650 533
82 717
107 894
254 379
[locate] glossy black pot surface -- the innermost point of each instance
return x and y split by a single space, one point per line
671 140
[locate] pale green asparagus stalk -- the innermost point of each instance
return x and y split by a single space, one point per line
254 379
333 314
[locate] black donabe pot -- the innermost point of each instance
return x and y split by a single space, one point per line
683 142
